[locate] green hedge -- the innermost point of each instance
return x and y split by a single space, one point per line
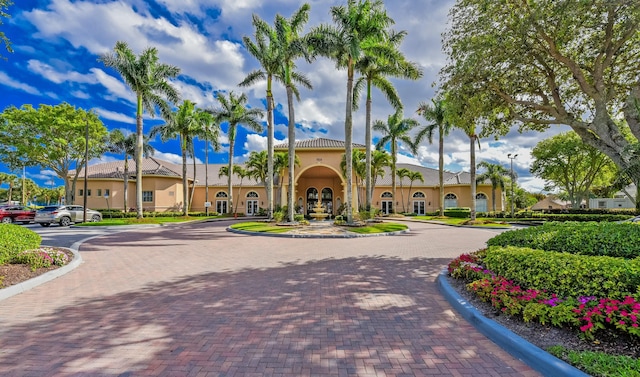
567 275
461 213
117 214
14 239
607 239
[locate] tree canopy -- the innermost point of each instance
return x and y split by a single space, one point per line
568 164
543 63
4 4
52 137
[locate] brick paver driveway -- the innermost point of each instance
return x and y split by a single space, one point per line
195 300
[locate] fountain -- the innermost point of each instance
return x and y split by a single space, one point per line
318 212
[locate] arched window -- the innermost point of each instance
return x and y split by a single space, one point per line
418 195
312 198
387 194
252 207
418 203
481 202
450 201
252 194
221 202
221 194
386 204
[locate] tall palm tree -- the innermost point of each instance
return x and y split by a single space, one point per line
495 173
397 129
257 166
181 124
240 172
126 145
358 28
374 71
379 160
435 114
413 176
292 46
402 173
149 80
234 111
280 164
208 128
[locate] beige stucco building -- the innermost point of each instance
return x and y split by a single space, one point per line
318 177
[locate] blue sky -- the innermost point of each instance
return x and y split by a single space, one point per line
57 44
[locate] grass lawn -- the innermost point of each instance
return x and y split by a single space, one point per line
378 228
483 221
146 220
261 227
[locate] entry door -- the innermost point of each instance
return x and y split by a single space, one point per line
221 206
387 206
252 207
418 207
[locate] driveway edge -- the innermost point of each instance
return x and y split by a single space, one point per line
515 345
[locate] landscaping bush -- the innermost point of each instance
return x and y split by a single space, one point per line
567 275
42 258
460 213
606 239
15 239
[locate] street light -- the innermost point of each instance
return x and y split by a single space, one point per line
513 183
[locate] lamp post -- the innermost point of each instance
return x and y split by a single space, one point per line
513 184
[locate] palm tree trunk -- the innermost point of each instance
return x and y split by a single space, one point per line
292 154
348 131
230 172
493 197
126 182
193 185
206 175
441 169
393 175
139 151
270 139
185 187
368 183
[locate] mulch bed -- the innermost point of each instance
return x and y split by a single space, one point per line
11 274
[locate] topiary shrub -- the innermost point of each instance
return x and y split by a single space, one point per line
606 239
567 275
14 239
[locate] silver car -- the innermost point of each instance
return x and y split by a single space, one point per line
65 215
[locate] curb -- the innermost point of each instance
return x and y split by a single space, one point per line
285 235
515 345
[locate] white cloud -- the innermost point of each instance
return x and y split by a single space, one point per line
173 158
8 81
118 117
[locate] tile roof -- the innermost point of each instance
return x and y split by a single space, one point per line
317 143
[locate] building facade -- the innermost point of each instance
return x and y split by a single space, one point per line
317 178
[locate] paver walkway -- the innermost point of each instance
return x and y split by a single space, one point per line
195 300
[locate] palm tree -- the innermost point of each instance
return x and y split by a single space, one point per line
240 172
292 46
209 130
374 72
181 124
435 114
359 166
495 173
379 160
413 176
235 112
358 29
257 166
126 145
396 130
470 130
149 80
402 173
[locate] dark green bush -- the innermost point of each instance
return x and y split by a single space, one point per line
607 239
14 239
567 275
461 213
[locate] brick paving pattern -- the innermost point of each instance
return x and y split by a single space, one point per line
195 300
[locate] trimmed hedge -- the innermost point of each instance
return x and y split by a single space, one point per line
604 239
460 212
117 214
567 275
15 239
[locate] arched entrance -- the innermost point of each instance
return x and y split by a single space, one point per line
323 184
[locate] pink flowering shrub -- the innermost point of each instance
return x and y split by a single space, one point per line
587 313
42 258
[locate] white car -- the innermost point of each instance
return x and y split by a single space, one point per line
65 215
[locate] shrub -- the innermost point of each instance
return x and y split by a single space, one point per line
461 213
605 239
567 275
298 218
278 216
14 239
42 258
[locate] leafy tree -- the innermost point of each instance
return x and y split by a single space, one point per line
183 125
4 4
543 63
207 128
149 80
436 114
568 164
374 71
397 129
51 137
234 111
126 145
359 27
413 176
494 173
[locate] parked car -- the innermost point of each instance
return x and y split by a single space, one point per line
16 213
65 215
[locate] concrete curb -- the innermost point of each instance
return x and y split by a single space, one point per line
518 347
288 235
41 279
